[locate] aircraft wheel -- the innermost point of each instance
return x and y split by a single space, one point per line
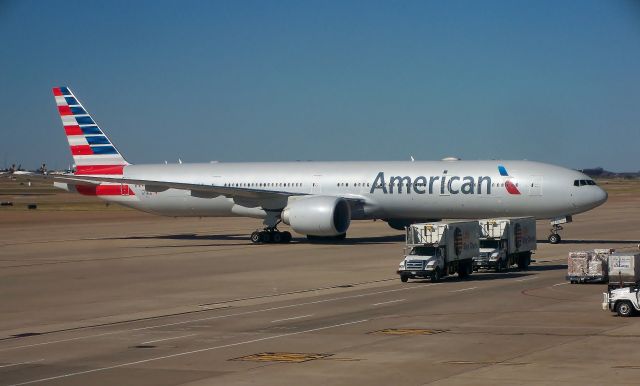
266 237
286 237
554 238
276 237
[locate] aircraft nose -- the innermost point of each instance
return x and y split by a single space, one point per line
601 196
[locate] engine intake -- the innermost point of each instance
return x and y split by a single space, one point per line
318 215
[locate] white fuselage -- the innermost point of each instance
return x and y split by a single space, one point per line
385 190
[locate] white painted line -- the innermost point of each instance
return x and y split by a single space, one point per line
464 289
526 278
162 340
187 353
406 288
22 363
292 318
390 301
555 285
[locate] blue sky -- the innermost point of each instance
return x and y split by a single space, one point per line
553 81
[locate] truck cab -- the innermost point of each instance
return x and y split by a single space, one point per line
492 253
624 301
421 262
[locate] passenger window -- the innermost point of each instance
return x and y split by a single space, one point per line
576 183
583 182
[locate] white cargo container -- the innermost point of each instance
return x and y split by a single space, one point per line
624 269
505 242
438 249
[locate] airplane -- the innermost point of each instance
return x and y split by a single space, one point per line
320 199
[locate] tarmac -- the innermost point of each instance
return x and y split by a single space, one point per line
126 298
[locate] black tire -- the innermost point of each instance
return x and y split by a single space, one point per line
266 237
554 238
256 237
404 278
436 275
286 237
341 236
464 270
276 237
624 308
498 267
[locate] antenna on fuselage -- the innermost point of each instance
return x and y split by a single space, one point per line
412 159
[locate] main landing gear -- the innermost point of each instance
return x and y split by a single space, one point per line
270 235
554 237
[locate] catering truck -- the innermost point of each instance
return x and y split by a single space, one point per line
437 249
505 242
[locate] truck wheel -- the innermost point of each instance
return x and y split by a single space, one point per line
498 266
436 276
404 278
464 270
624 308
256 237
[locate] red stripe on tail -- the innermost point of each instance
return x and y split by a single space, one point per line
73 130
81 150
64 110
99 170
105 190
56 91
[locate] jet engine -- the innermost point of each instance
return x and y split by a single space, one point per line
318 215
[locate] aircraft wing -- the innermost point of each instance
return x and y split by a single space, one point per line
196 188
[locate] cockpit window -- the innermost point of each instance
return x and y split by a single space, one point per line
583 182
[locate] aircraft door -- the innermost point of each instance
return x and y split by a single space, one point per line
316 186
535 186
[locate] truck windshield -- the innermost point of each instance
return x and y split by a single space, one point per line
495 244
424 251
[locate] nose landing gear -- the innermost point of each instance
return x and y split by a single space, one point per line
554 237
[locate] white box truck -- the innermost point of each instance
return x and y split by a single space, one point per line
505 242
437 249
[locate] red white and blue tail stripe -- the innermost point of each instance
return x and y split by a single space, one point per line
92 151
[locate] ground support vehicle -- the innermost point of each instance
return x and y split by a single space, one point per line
588 266
505 242
624 301
435 250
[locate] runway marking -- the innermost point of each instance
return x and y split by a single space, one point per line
220 316
390 301
464 289
555 285
292 318
22 363
188 353
526 278
162 340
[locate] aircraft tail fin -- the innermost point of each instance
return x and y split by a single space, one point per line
92 151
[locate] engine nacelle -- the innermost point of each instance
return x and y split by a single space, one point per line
318 215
